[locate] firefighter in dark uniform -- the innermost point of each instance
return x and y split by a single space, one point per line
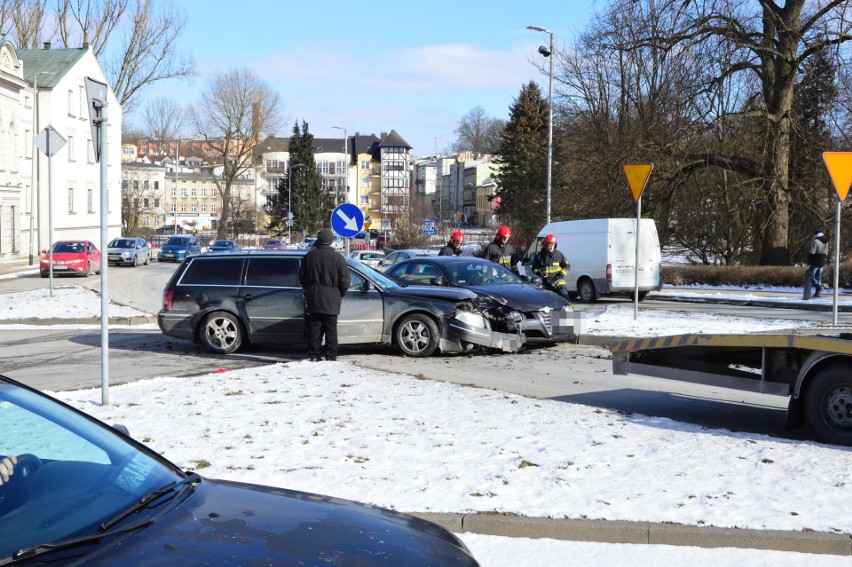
501 252
453 247
552 266
325 279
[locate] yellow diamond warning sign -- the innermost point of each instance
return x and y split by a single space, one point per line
839 165
637 177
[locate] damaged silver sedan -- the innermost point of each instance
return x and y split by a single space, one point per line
226 300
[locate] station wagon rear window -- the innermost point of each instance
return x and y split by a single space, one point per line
218 271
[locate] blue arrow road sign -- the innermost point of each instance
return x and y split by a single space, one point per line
347 220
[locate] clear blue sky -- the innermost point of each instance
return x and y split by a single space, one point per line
416 67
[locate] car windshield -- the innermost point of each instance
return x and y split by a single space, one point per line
465 273
273 242
177 241
123 243
78 473
223 243
381 280
73 247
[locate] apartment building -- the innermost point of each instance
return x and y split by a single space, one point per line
41 87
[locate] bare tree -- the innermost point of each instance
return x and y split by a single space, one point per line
236 111
477 132
138 199
142 33
164 118
25 20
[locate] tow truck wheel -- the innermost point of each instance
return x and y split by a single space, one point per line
417 336
828 405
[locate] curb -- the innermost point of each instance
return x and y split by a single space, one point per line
651 533
137 320
796 304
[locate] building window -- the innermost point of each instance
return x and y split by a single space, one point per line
145 222
145 202
193 192
90 151
156 185
213 193
203 207
70 199
322 167
212 209
145 185
174 191
365 164
90 202
82 100
183 192
365 182
203 191
365 199
71 148
156 202
71 108
174 207
183 208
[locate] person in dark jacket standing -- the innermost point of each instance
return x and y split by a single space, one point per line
501 252
324 277
817 254
552 266
453 247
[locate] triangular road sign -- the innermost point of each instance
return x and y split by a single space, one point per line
839 165
637 177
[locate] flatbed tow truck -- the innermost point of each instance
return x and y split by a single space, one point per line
813 367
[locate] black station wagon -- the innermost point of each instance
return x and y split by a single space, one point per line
224 300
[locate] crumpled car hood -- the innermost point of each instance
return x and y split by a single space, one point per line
435 292
230 523
522 297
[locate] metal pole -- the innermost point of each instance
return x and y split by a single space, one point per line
49 207
550 131
636 265
103 140
34 164
836 260
177 164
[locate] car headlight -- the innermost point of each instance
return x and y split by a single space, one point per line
470 318
125 254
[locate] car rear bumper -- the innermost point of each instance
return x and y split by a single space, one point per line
176 324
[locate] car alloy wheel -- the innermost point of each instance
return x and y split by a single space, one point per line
417 335
221 333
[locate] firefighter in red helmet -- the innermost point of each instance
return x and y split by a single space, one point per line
552 266
453 247
501 252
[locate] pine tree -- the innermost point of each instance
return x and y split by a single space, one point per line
311 204
522 157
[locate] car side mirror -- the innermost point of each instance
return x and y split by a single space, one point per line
438 280
536 281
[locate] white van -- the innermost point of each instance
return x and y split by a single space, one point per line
602 254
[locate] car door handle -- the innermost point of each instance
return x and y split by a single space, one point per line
247 297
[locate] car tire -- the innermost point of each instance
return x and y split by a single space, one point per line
221 333
88 271
417 335
45 274
586 291
145 263
828 405
643 295
135 261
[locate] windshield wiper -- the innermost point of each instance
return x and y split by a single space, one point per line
178 487
149 498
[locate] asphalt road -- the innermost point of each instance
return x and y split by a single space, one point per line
62 359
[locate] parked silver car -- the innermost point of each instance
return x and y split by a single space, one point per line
128 251
368 257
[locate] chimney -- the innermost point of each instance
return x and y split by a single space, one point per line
47 45
86 40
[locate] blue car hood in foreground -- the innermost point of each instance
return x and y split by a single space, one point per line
231 523
521 297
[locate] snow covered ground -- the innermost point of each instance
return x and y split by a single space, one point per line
416 445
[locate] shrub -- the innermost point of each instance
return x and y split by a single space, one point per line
749 276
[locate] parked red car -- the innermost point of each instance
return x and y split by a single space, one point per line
73 257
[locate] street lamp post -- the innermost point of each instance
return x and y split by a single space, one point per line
345 159
290 169
34 179
548 53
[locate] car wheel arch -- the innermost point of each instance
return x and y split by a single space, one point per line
414 312
201 316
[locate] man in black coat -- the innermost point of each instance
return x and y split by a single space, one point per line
324 276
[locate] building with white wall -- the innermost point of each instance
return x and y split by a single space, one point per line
69 202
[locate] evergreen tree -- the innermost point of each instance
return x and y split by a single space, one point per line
311 204
522 159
